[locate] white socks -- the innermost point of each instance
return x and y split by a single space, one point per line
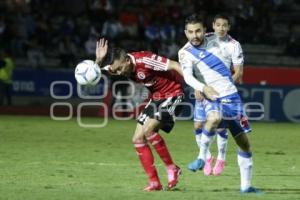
206 140
198 135
198 140
245 163
222 139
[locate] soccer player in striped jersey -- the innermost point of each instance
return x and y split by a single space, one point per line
233 57
163 78
203 63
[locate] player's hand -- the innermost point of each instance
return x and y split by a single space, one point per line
198 95
101 50
210 93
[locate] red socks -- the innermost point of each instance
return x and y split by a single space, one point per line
147 161
146 157
161 148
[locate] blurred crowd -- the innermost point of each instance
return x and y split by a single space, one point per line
67 30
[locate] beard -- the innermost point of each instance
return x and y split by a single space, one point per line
196 42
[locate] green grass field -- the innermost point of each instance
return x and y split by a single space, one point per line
45 159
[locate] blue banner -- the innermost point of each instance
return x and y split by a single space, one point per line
45 82
279 103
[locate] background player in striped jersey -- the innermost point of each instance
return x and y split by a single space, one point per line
233 56
162 78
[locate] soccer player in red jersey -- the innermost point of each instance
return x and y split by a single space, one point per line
162 78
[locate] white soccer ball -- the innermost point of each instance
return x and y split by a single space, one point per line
87 72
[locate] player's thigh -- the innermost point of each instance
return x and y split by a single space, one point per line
213 117
146 121
145 130
212 111
152 125
138 136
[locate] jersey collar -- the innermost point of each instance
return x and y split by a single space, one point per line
224 39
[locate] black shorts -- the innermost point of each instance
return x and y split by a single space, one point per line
162 110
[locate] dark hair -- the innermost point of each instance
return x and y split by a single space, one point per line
193 19
117 54
221 16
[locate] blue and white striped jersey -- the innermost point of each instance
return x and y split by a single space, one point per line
210 63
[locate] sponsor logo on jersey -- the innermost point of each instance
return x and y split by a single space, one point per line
141 75
201 54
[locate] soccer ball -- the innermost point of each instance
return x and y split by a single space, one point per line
87 72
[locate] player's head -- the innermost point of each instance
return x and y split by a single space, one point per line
195 29
121 63
221 25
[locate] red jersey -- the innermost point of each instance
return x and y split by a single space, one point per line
151 71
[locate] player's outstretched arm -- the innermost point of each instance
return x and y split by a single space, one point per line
173 65
101 50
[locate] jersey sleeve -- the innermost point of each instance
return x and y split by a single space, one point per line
237 54
187 70
155 62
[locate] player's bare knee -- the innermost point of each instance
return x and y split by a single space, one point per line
150 127
138 140
149 133
138 136
198 125
214 118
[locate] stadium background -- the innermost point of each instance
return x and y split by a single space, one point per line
46 39
44 157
